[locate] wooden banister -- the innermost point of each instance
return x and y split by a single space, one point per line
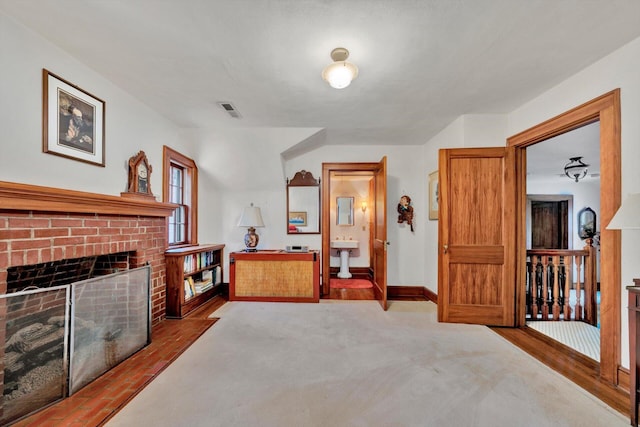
550 279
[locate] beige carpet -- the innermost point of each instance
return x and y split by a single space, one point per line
352 364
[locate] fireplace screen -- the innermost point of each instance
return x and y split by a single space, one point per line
35 348
111 317
97 322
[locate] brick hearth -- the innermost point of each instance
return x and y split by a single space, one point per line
42 224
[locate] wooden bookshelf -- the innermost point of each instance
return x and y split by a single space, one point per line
194 275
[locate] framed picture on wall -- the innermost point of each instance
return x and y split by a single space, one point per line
72 121
433 195
298 219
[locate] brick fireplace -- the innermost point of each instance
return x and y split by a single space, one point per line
43 224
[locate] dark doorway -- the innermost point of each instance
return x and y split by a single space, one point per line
549 224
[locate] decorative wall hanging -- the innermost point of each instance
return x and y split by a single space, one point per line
433 195
586 223
405 211
72 121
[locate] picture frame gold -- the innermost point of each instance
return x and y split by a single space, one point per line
298 219
72 121
433 195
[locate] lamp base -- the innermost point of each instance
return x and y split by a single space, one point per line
251 240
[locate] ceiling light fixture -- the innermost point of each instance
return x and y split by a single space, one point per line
576 169
340 74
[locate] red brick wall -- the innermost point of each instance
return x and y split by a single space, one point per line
28 237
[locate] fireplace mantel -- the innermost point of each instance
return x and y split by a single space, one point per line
14 196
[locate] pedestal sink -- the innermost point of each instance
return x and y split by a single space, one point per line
344 247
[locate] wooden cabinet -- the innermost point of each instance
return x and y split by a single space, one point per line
274 275
634 350
194 275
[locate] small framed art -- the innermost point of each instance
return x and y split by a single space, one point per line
298 219
433 195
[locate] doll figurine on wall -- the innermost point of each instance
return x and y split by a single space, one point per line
405 211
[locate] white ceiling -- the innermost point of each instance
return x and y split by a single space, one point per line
422 62
547 159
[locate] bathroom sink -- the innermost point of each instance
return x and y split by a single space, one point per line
344 244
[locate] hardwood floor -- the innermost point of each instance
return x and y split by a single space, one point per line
351 294
100 400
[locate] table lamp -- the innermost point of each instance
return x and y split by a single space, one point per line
251 217
628 215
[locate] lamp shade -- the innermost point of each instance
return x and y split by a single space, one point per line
251 217
340 73
628 215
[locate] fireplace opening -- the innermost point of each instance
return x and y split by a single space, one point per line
66 271
59 339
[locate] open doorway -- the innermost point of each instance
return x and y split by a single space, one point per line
376 211
554 241
604 109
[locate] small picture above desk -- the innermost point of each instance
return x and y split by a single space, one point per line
274 275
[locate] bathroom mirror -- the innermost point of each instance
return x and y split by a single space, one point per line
344 215
303 204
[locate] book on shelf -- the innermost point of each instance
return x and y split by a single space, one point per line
207 276
203 286
188 290
218 275
191 285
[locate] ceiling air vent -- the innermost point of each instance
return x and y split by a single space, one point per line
230 109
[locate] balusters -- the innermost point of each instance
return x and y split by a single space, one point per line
534 288
590 284
555 308
545 288
552 276
568 264
578 308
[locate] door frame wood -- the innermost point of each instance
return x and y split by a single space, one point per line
327 169
606 110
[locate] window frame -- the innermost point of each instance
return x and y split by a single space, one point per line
190 192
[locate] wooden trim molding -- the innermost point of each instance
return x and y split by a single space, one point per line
171 156
412 291
26 197
606 110
430 295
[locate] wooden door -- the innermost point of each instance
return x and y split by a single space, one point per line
476 236
380 233
549 225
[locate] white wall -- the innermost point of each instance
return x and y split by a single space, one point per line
472 130
130 125
405 175
617 70
586 193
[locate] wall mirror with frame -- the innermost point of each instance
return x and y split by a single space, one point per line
303 204
586 223
344 214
